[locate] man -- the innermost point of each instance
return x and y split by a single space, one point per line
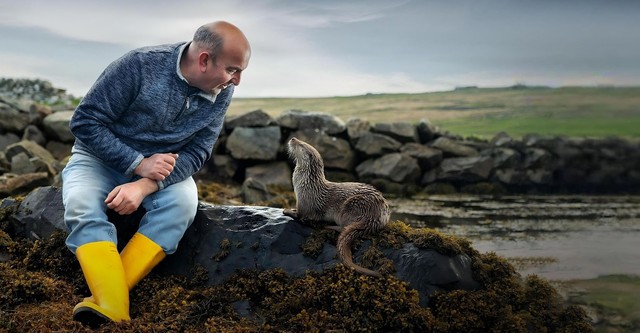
145 127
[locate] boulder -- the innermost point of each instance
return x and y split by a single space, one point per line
35 152
465 169
397 167
12 184
257 118
323 122
259 143
373 144
8 139
272 174
336 152
33 133
56 126
356 128
451 148
224 239
428 158
426 131
403 132
12 119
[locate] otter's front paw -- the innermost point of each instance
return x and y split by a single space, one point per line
290 212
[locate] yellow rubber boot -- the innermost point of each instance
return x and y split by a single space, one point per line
104 273
139 257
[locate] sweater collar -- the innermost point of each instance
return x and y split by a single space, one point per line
210 97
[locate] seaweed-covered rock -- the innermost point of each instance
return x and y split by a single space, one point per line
41 281
224 239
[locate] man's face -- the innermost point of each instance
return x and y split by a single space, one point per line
225 69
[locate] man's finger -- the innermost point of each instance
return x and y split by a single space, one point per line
112 195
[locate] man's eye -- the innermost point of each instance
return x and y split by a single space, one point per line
231 71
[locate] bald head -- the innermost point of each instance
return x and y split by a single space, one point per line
216 57
211 37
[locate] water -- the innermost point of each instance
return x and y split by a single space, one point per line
556 237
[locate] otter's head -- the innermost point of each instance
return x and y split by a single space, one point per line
304 155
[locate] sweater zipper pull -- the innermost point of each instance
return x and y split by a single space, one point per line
188 102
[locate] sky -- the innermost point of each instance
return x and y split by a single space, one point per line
304 48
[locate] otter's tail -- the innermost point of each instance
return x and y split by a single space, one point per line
350 233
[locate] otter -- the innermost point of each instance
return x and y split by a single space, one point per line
357 209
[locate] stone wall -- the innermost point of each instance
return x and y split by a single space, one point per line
400 158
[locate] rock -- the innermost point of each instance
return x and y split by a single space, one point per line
540 176
59 150
426 131
33 150
336 152
7 139
254 190
259 143
224 167
465 169
503 157
11 184
20 164
397 167
373 144
501 139
323 122
356 128
537 158
40 214
223 239
56 126
403 132
512 177
428 158
272 174
33 133
257 118
453 149
11 119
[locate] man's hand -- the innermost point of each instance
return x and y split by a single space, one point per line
157 166
126 198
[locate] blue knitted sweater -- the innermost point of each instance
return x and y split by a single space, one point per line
141 105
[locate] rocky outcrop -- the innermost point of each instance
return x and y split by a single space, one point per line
224 239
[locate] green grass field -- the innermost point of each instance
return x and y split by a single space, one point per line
483 112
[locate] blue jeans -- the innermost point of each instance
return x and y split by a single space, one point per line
87 181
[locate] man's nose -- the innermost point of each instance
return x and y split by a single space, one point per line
236 79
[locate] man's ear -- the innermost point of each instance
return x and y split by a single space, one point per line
203 61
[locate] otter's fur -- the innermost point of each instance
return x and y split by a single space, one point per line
358 209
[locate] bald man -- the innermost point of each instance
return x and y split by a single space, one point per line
145 127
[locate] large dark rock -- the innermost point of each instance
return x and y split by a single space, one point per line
223 239
323 122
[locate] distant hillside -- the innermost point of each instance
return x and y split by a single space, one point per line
517 110
469 111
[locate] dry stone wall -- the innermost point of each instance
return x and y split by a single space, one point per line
400 158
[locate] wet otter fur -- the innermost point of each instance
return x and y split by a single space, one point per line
358 209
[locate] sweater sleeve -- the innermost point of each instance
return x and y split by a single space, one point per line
194 154
108 98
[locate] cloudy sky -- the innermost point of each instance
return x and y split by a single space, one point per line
334 47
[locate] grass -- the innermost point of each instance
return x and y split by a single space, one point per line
518 110
613 297
616 292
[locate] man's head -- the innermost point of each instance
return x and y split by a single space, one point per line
221 52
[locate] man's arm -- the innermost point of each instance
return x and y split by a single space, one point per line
110 96
193 155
